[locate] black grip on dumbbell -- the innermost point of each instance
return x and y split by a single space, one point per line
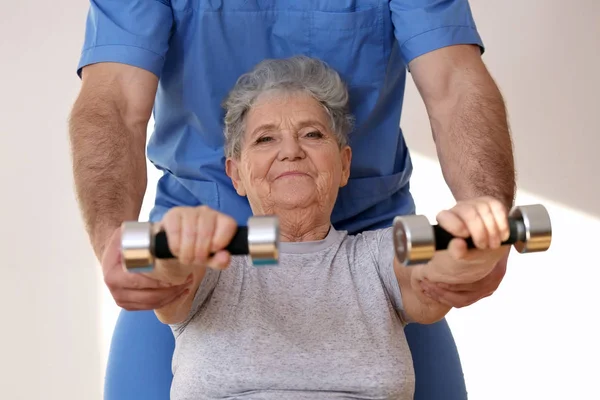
237 246
443 238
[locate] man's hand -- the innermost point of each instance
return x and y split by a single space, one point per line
458 276
136 291
463 295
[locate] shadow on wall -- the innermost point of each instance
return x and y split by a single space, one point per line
542 55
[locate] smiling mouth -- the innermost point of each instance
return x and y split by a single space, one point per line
291 174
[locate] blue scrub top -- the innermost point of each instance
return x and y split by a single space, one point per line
199 48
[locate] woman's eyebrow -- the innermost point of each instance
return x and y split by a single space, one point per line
309 122
263 127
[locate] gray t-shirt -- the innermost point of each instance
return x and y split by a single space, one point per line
326 323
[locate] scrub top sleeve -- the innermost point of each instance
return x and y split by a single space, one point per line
421 26
133 32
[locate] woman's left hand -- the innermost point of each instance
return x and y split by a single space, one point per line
459 276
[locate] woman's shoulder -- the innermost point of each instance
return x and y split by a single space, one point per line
374 235
367 243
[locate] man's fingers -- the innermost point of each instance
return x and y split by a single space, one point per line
456 299
173 297
459 299
149 299
122 280
458 287
488 284
462 295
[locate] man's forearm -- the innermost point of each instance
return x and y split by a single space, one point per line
109 167
472 137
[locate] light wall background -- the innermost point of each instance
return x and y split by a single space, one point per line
535 338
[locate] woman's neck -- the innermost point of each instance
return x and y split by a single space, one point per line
302 226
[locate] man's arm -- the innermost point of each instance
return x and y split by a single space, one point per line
107 129
469 122
470 128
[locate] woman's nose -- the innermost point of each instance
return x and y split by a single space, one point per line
290 149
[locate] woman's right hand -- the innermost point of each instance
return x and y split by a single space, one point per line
193 234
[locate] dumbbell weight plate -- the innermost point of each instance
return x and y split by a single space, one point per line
263 240
538 228
142 243
136 246
414 241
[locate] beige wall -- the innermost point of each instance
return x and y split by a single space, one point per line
49 334
544 56
57 316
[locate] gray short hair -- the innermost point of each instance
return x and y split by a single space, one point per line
294 74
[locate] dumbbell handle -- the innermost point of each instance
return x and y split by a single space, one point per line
237 246
142 244
443 237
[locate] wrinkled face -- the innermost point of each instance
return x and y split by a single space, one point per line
290 158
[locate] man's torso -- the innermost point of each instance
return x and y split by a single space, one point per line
213 42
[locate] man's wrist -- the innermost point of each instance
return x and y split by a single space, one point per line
101 237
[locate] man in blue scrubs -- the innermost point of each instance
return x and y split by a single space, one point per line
179 58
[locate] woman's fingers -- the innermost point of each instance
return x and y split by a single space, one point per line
196 233
484 220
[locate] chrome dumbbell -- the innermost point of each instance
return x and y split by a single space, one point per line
142 243
416 240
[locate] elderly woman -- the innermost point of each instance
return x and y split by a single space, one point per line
328 321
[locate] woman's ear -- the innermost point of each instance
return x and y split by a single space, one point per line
231 168
346 156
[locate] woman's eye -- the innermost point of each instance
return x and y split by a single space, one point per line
264 139
314 134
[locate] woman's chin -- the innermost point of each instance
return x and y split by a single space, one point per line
294 201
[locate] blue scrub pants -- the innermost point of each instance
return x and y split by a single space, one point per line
139 365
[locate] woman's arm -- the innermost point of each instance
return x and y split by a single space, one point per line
418 307
197 237
179 309
485 220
